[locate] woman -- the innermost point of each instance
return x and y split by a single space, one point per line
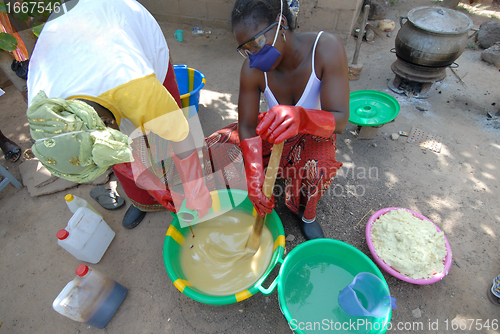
303 77
102 66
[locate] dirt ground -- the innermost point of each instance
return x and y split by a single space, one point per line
457 189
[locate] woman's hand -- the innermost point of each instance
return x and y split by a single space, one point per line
283 122
279 123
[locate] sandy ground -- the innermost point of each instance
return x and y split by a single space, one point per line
457 188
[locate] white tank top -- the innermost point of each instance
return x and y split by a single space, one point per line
310 98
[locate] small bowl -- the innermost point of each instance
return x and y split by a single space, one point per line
393 272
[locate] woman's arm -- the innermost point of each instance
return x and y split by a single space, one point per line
332 70
250 143
248 101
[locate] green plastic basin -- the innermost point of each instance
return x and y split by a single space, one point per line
172 246
310 280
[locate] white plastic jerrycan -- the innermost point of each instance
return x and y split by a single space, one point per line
91 297
75 202
87 236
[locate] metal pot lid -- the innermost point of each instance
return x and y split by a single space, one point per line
440 20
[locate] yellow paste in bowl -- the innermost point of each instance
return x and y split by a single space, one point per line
216 262
408 244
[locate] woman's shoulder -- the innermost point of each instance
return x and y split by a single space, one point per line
325 36
328 43
330 40
330 54
329 46
251 78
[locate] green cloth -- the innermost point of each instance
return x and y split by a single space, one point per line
72 141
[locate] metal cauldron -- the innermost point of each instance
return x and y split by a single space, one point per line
432 36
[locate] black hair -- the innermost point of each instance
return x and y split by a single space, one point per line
260 11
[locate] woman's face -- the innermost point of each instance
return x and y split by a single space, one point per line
252 38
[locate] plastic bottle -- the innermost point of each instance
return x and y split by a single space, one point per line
196 31
75 202
86 237
91 297
294 7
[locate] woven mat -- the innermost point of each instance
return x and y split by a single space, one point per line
425 139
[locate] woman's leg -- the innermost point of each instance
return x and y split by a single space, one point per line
308 168
11 150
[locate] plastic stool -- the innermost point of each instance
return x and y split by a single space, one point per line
8 178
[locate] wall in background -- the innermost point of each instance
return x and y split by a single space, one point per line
335 16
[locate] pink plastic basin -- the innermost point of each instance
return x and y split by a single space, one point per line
390 270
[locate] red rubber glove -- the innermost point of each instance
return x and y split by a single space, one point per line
196 192
254 170
283 122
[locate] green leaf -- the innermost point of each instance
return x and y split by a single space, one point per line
37 29
22 16
33 13
7 42
3 8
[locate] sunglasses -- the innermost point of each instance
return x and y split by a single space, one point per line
256 43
